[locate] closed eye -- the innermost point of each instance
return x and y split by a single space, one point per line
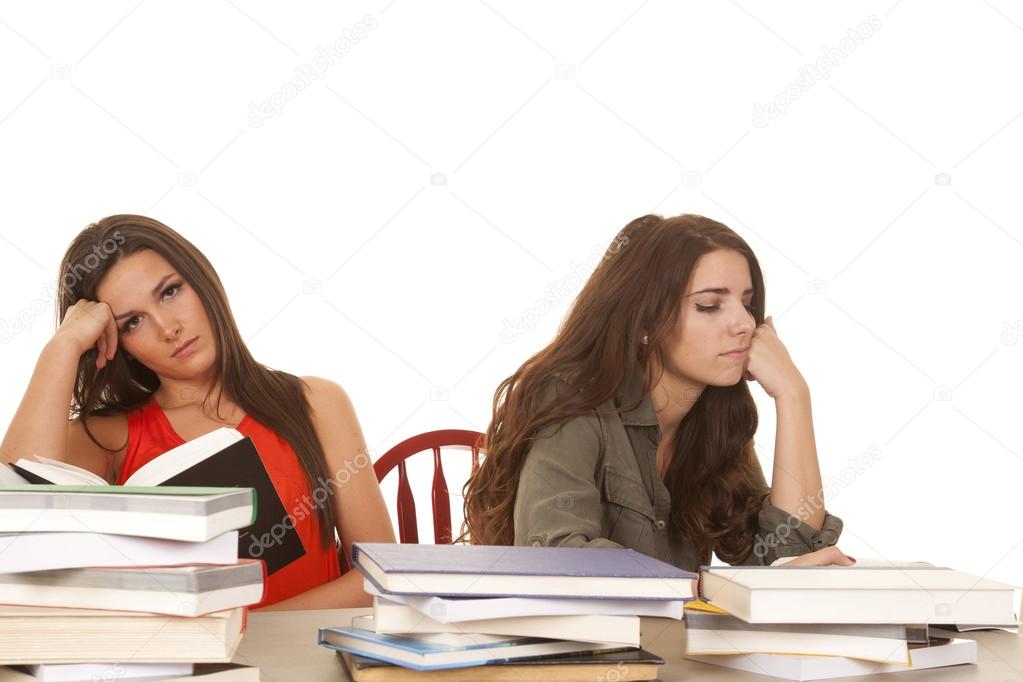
712 308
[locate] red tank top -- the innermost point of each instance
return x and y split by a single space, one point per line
150 434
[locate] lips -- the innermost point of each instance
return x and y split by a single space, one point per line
736 352
183 346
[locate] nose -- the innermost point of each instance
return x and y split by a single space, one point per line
743 322
169 328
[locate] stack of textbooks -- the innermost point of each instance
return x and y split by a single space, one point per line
133 581
813 623
505 613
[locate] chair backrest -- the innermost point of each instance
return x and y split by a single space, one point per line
408 531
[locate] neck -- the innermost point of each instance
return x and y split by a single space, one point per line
673 397
175 393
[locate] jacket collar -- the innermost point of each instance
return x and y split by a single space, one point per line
631 393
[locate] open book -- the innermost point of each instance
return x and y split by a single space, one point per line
223 458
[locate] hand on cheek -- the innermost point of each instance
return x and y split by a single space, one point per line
770 365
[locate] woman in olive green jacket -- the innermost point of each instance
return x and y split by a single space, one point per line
634 427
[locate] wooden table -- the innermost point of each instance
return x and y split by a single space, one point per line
283 645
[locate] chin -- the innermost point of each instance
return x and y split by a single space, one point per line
726 380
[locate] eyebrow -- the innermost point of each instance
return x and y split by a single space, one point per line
156 290
717 290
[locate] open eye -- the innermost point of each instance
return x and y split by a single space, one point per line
129 324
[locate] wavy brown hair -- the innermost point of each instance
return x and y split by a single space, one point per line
276 399
636 291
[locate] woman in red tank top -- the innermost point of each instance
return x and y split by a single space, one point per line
160 342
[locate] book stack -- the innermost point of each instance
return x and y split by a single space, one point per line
103 582
822 622
506 613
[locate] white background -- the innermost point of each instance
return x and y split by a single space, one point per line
464 160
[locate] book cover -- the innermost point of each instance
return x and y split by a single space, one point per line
619 666
268 538
171 513
481 570
172 590
425 654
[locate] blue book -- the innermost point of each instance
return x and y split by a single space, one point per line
500 571
425 652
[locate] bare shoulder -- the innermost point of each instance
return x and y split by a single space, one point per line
327 397
103 455
111 431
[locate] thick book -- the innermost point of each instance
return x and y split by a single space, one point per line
223 458
849 594
939 653
34 635
717 634
191 514
20 552
171 590
499 571
634 665
91 672
393 618
424 653
459 609
131 672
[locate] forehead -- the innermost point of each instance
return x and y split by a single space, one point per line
133 277
723 269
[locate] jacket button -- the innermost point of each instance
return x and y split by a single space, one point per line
660 524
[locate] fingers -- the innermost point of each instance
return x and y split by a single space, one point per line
111 333
837 557
829 556
101 357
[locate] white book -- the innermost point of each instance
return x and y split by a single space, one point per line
805 668
30 636
199 672
154 472
20 552
456 610
172 590
91 672
850 594
715 634
456 639
171 513
393 618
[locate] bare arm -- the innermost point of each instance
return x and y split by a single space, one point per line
40 425
796 479
358 502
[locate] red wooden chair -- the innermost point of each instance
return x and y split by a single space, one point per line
408 531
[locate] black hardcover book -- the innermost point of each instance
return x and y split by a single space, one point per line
238 465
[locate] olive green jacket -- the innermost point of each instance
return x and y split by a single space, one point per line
592 481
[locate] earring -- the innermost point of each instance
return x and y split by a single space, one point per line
645 339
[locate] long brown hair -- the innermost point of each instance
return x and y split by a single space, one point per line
635 292
276 399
